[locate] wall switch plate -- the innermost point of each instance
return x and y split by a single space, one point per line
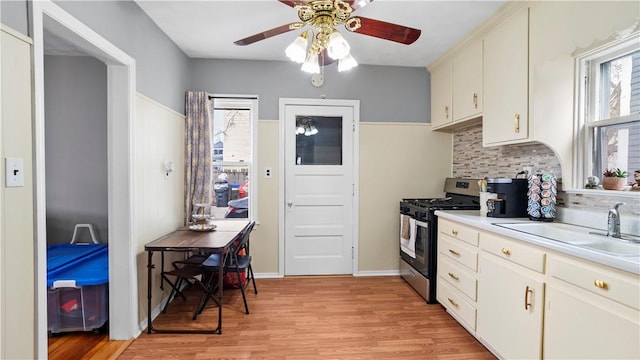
268 173
14 169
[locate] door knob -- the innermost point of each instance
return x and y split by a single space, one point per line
290 203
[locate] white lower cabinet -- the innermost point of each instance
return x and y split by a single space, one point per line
510 306
592 312
524 301
457 263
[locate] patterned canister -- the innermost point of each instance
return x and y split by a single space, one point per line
541 195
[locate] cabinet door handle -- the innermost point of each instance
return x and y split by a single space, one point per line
454 252
516 123
601 284
506 251
475 101
453 302
527 291
446 112
453 276
454 232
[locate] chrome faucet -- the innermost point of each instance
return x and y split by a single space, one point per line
613 222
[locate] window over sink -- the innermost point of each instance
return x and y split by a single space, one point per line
609 109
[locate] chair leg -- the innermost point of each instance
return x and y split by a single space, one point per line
174 292
244 297
253 280
209 288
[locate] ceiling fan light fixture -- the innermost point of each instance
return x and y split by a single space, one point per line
311 64
347 63
337 46
297 50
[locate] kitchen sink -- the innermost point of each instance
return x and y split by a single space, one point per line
615 246
566 233
581 236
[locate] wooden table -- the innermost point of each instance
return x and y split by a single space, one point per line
182 240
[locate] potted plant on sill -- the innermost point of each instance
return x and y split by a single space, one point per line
614 179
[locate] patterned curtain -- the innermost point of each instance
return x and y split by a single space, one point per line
197 151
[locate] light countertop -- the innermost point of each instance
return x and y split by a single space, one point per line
473 218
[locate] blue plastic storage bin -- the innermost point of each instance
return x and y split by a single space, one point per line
61 254
78 284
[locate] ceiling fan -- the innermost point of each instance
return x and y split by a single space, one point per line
328 45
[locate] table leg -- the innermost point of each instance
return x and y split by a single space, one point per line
223 259
151 329
149 267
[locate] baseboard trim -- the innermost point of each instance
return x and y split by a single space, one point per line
378 273
360 273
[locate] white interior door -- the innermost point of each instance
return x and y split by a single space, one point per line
319 189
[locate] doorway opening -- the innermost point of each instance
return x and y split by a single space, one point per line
120 91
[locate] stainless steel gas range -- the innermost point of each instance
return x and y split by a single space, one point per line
419 231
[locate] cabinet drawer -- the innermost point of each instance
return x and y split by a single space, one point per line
456 305
514 251
459 251
610 283
458 231
459 278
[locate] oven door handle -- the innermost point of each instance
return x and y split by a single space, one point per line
423 224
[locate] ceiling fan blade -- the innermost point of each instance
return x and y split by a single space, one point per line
293 3
388 31
269 33
357 4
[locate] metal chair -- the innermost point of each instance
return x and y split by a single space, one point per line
238 261
187 272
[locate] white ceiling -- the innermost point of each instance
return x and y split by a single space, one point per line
208 28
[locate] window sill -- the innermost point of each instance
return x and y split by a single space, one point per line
601 192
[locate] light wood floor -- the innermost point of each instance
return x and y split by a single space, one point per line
310 318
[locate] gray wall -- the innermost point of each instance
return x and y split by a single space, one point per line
162 69
164 72
76 146
386 93
14 14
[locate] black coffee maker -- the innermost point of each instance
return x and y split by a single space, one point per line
511 200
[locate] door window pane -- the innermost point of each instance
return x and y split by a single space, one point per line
318 140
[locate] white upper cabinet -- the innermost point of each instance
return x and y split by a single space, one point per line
441 108
467 82
456 88
506 81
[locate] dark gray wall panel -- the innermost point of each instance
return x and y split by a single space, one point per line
396 94
76 145
14 14
162 69
164 72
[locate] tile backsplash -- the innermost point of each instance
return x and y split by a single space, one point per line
472 160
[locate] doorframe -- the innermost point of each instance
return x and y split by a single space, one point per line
355 105
121 90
